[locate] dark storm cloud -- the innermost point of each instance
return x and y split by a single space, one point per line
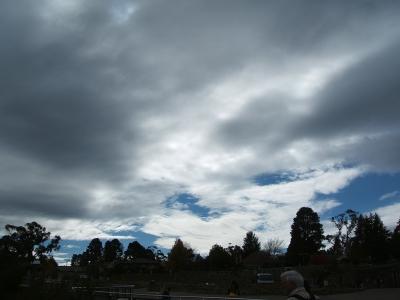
61 110
57 106
364 99
362 102
381 152
259 123
43 203
77 85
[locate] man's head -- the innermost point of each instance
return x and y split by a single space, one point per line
292 280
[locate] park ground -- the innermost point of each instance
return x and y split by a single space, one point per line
371 294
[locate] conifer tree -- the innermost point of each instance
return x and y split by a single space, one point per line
306 236
251 244
371 240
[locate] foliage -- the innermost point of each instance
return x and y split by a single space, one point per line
236 253
94 251
29 242
158 255
251 244
113 250
273 246
346 224
20 247
76 260
337 246
371 239
180 257
306 236
135 250
219 258
395 242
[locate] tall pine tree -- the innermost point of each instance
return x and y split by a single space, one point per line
181 256
306 236
251 244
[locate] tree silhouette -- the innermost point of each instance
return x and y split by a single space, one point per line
337 246
20 247
236 253
306 236
371 239
29 242
76 260
273 246
94 251
113 250
135 250
219 258
346 224
251 244
395 241
181 256
158 255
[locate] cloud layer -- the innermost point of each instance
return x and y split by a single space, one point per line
109 109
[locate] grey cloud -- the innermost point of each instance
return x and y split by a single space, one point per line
60 107
75 89
261 122
363 99
192 44
58 204
380 153
361 104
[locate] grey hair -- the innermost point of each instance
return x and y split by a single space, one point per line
294 277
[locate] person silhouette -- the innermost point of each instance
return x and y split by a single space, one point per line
293 283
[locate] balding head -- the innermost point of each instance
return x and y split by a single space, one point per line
292 278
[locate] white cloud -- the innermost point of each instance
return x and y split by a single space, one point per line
77 229
70 246
389 214
267 210
169 104
62 259
200 233
390 196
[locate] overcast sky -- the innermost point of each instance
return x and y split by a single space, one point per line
197 119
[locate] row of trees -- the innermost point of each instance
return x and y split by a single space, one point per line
359 238
364 238
181 256
113 251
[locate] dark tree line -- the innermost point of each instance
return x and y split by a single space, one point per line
113 251
20 248
358 238
180 257
371 241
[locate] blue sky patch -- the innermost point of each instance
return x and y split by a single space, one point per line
363 193
272 178
187 201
